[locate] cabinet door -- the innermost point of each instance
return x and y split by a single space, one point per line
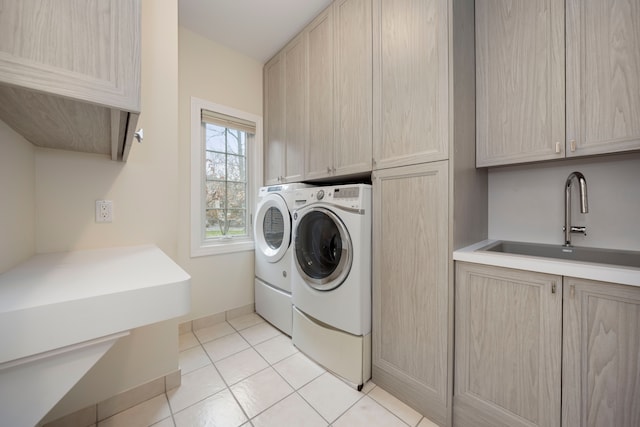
353 97
319 153
274 142
82 50
603 87
508 347
411 305
411 83
519 81
601 354
295 100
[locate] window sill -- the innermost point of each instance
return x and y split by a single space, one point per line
219 248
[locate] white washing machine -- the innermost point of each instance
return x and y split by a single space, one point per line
273 237
331 281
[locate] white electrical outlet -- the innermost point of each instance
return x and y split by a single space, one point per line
104 211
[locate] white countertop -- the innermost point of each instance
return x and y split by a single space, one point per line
583 270
59 299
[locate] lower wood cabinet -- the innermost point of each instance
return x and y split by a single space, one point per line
601 354
411 304
534 349
508 332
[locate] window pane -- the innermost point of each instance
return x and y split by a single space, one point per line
215 167
236 168
226 179
236 142
215 138
237 197
215 223
216 195
237 222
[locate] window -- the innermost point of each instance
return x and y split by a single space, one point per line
224 147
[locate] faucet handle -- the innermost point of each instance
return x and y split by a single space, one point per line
578 229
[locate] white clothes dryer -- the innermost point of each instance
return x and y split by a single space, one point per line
331 281
272 233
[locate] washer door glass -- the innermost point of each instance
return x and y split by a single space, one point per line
272 228
323 249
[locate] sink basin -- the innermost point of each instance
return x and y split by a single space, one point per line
572 253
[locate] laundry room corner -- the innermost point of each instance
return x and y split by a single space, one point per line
214 73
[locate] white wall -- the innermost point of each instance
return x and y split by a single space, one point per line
213 73
145 196
526 203
17 201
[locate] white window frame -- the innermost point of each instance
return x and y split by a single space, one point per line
199 245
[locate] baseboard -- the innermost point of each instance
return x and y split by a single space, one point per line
213 319
93 414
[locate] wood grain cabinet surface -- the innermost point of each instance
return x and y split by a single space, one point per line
411 82
530 54
318 102
285 77
508 347
410 285
539 350
601 354
70 73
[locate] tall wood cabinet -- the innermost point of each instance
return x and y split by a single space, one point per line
411 285
508 347
285 78
523 67
429 198
70 73
411 82
601 354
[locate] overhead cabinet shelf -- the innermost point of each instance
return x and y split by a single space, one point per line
70 73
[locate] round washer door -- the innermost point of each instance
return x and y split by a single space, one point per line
272 228
323 248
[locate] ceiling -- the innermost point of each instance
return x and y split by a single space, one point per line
256 28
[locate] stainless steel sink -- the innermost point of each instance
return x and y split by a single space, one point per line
572 253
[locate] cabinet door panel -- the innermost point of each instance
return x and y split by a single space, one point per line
603 65
295 101
508 347
519 81
412 84
319 154
410 286
353 100
94 56
601 354
274 142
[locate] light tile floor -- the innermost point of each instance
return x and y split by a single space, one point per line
244 372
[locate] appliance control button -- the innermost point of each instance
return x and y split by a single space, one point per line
320 195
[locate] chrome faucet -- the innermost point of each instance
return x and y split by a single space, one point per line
584 206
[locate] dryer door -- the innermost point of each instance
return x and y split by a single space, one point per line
323 248
272 228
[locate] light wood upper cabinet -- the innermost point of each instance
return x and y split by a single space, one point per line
411 286
523 66
603 83
519 81
70 73
411 86
285 78
601 354
352 79
339 103
508 347
319 152
295 129
274 142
